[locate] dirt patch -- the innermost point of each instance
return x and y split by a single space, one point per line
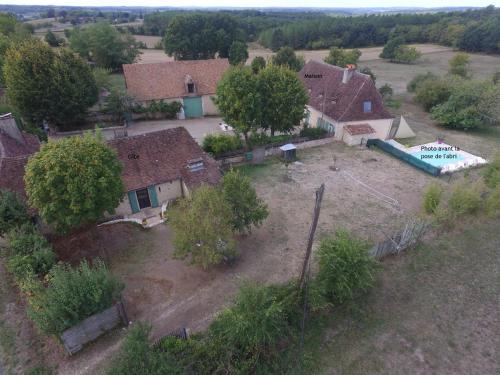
149 40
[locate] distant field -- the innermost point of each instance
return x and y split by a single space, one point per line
150 41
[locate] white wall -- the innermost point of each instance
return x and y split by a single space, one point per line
168 190
381 127
209 107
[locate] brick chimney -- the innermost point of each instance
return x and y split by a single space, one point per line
348 72
8 125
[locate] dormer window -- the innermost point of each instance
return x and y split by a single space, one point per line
189 84
195 165
367 106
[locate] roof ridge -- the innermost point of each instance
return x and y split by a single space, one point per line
147 134
322 62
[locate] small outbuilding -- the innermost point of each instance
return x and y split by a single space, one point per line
289 152
358 134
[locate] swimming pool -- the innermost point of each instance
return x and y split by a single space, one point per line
438 158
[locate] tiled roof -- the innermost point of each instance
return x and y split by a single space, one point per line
12 174
359 129
162 156
341 102
166 80
10 147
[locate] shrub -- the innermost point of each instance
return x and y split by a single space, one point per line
345 268
406 55
492 172
386 91
418 80
262 139
493 202
25 240
137 357
218 144
465 199
313 133
72 295
253 327
432 197
247 209
13 211
432 92
38 263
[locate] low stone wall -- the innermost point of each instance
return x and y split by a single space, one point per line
241 159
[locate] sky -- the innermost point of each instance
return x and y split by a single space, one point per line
262 3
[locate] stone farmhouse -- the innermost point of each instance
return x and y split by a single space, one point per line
192 83
346 103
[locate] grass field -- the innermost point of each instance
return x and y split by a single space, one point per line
434 311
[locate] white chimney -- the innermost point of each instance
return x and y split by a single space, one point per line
8 125
348 72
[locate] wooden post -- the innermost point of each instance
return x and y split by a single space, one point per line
312 230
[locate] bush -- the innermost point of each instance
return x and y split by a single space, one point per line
249 332
313 133
138 358
72 295
492 172
406 55
218 144
465 199
386 92
262 139
493 202
432 92
38 263
13 211
432 197
25 240
419 79
345 268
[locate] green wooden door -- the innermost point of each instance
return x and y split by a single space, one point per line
193 107
132 198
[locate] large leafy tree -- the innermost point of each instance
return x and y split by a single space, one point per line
104 45
340 57
238 100
46 85
391 46
248 209
283 98
74 181
201 36
202 227
286 57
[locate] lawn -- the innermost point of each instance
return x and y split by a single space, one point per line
434 310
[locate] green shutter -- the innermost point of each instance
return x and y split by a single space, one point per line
152 196
134 204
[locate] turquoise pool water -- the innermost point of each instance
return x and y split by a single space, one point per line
438 158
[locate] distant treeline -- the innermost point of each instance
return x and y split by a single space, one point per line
471 30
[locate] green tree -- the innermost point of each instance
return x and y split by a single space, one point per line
102 77
238 53
45 85
458 64
201 36
391 46
286 57
340 57
202 227
72 294
283 99
74 181
247 208
368 71
406 55
13 211
258 63
52 40
104 45
415 83
345 268
238 100
471 104
386 92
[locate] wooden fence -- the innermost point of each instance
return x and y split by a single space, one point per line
401 240
94 326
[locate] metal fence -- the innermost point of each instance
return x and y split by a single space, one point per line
94 326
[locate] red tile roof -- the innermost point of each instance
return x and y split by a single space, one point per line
10 147
359 129
12 174
342 102
166 80
162 156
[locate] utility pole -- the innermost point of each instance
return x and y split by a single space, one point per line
312 230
